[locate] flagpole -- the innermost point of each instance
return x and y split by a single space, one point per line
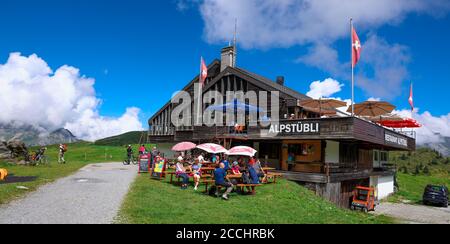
411 94
353 68
200 95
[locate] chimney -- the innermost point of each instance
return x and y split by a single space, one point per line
280 80
228 57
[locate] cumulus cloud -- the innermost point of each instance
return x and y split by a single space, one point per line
434 128
318 25
31 93
284 23
326 88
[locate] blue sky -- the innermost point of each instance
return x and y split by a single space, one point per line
140 52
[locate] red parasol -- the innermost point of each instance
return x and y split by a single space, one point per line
405 123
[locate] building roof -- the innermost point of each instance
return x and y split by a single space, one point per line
240 72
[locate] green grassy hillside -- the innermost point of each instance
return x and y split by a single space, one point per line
155 202
422 162
133 137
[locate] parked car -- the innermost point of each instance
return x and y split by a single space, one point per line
363 199
436 195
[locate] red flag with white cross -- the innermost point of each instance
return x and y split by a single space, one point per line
356 48
203 72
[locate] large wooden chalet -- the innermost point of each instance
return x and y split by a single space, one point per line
342 152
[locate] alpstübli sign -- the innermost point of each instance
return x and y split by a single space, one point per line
393 139
295 128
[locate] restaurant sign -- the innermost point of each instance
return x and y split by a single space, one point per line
397 140
295 128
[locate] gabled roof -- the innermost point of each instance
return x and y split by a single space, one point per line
243 74
275 85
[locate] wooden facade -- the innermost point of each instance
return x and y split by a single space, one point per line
356 138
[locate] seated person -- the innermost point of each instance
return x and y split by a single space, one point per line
181 172
259 170
236 169
220 178
226 163
254 178
196 173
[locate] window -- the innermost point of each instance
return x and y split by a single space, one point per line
272 150
376 156
384 156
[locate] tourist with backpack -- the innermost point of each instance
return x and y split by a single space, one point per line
62 151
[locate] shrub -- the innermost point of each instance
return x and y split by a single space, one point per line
426 170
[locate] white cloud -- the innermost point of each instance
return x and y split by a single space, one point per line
284 23
326 88
374 99
433 129
33 94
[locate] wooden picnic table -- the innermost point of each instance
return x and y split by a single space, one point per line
234 176
268 169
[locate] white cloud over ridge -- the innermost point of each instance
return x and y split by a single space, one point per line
265 24
326 88
31 93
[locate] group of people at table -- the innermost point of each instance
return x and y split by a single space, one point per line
250 172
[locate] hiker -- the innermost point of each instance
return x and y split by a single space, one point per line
154 153
220 175
142 150
129 153
40 153
62 151
181 172
196 171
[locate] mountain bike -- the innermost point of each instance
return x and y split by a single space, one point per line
130 160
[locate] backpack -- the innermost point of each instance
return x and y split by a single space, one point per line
246 179
64 149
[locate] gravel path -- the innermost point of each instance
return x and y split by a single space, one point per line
93 195
415 214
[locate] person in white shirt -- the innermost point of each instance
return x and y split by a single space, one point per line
201 159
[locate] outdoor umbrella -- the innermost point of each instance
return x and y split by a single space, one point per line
184 146
241 151
372 108
236 106
325 104
405 123
212 148
387 117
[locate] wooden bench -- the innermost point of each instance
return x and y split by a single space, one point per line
252 186
171 176
208 182
274 176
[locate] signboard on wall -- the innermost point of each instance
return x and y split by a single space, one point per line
295 128
395 139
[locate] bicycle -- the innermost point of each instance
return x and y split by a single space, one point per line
43 160
130 160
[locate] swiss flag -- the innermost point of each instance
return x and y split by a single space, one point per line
203 72
411 99
356 48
